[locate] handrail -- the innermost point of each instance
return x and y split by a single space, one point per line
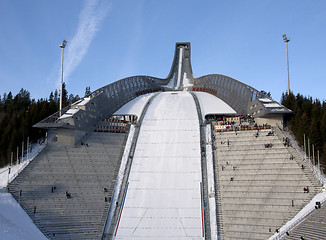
316 172
300 219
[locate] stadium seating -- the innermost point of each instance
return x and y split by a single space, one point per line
313 227
260 183
86 172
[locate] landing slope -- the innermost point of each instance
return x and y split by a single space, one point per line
163 197
14 222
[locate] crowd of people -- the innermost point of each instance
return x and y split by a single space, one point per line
232 126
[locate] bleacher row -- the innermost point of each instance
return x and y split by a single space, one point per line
259 188
112 129
312 228
240 128
86 172
112 126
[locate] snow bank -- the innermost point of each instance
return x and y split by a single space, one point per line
14 222
6 177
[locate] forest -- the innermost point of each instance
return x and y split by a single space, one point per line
308 121
17 116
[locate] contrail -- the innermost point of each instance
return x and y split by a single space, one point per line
90 19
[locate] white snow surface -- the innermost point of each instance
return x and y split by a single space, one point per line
119 180
163 199
210 104
69 113
186 81
266 100
135 106
272 105
170 83
14 221
84 102
211 183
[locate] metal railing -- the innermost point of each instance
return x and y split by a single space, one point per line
297 220
295 223
316 172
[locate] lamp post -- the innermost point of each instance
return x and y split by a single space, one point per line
286 40
62 46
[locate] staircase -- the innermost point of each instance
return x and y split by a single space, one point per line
260 188
87 172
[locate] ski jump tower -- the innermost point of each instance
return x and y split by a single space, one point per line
82 116
140 160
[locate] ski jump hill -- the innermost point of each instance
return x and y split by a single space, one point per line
174 158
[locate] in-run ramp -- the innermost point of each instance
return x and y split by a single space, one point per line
163 196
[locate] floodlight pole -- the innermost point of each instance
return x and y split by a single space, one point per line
62 46
286 40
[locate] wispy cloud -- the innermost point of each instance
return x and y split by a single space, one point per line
90 18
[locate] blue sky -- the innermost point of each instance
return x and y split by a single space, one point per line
110 40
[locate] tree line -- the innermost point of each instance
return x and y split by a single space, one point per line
308 119
19 113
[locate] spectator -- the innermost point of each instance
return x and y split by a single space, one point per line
68 195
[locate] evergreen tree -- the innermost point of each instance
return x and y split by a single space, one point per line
309 119
56 96
64 96
17 116
51 97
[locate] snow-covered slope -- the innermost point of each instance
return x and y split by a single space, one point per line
135 106
14 222
164 196
210 104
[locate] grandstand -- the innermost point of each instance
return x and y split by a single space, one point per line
173 158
